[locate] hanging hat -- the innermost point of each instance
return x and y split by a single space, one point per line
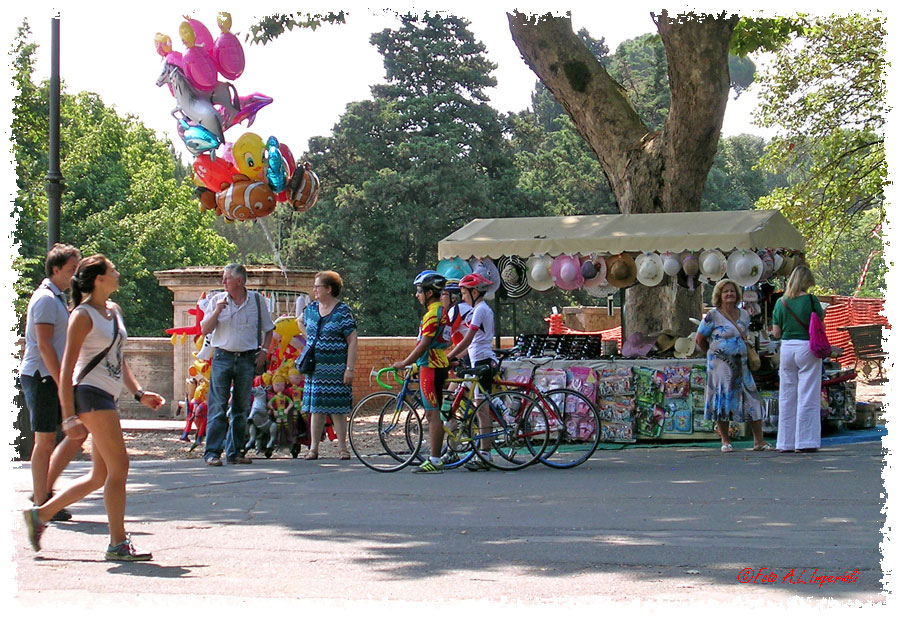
487 268
513 276
665 340
712 264
744 267
621 271
566 272
598 265
768 260
671 264
779 262
538 274
600 291
637 344
455 268
685 346
787 266
649 269
690 266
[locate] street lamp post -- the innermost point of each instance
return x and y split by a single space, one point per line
54 180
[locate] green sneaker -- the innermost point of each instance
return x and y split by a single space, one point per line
429 467
35 528
127 552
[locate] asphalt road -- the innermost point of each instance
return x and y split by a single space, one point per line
687 525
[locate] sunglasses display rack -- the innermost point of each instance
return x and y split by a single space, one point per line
566 347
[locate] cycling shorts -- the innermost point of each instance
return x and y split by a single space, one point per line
431 386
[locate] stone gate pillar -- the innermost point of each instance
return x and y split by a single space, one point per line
187 285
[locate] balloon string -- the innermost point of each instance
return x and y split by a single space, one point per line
274 249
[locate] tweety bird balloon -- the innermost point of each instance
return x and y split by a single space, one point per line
248 152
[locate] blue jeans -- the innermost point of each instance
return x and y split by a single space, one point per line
230 373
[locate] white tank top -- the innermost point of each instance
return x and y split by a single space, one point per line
107 374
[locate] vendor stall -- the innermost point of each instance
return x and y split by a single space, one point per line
639 397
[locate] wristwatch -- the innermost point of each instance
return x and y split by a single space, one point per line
139 394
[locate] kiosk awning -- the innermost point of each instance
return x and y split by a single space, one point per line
676 232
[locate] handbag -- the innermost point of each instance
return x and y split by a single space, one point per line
306 364
818 339
753 360
96 360
256 369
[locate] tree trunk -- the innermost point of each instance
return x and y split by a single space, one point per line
648 172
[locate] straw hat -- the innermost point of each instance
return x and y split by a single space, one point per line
665 340
690 266
538 274
455 268
601 291
788 264
566 272
637 344
513 276
621 271
712 264
597 265
489 270
744 267
768 260
649 269
671 263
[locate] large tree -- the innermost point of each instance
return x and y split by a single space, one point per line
648 171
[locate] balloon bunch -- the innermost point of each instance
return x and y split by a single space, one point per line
251 176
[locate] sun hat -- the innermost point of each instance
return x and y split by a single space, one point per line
455 268
649 269
621 271
665 340
487 268
712 264
685 346
691 266
513 276
788 263
566 272
744 267
601 291
637 344
538 273
671 264
598 265
768 260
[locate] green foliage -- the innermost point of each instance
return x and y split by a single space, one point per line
735 181
641 67
401 171
753 34
825 95
121 198
271 27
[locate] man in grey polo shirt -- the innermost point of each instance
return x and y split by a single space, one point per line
241 330
45 339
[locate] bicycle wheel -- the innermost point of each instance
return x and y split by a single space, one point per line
383 437
519 430
574 428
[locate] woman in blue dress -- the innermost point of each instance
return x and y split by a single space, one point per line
331 331
731 393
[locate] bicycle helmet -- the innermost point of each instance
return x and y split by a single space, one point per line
430 279
452 286
476 281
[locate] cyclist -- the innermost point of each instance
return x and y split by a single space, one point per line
457 310
478 340
431 358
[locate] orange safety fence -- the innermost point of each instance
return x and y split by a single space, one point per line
850 311
558 327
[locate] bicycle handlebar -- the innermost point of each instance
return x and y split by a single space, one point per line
382 384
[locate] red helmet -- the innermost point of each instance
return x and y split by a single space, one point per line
476 281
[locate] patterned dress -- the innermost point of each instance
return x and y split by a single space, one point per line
730 390
325 391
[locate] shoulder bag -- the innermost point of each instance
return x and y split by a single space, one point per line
306 364
818 340
753 360
256 370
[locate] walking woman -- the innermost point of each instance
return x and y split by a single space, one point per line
94 354
331 332
799 370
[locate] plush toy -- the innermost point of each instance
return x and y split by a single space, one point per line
281 407
261 424
196 410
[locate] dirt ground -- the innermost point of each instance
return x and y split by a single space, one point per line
157 445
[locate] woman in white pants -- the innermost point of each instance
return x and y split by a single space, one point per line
799 372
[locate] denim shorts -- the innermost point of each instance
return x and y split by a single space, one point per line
42 400
90 398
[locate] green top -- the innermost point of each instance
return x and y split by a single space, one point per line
801 306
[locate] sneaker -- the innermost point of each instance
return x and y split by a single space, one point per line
449 457
62 515
476 465
212 460
239 459
127 552
429 467
35 528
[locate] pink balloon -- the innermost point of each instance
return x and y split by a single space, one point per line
174 57
200 69
202 36
228 153
229 56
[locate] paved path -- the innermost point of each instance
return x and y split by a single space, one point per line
668 524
